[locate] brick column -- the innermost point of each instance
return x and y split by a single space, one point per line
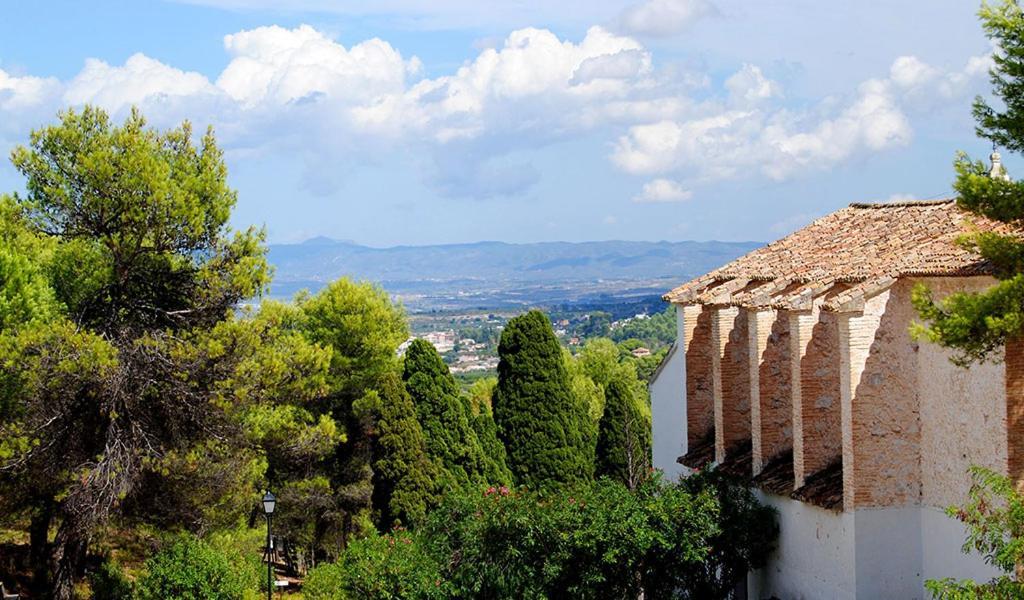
759 328
700 411
1015 411
721 325
801 324
856 334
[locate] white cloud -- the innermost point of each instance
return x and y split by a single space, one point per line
278 66
729 143
749 86
662 190
25 92
141 80
298 91
661 18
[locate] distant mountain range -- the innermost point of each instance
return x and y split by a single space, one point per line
488 268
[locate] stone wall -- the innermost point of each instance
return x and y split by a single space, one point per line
886 424
963 411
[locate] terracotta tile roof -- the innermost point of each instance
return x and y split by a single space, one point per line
847 256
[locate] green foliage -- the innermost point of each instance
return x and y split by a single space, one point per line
593 540
1003 23
396 566
25 292
586 540
149 211
994 516
445 416
977 324
361 326
1001 588
624 441
191 569
405 476
109 582
747 531
538 417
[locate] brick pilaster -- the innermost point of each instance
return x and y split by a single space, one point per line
801 324
700 412
1015 411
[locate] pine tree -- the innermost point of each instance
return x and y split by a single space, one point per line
444 415
404 476
624 439
977 324
538 418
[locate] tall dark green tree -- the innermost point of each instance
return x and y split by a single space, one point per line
405 477
977 324
624 438
538 417
445 416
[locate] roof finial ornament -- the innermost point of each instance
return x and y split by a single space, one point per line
997 171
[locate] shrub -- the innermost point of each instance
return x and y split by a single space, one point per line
747 531
398 565
191 569
110 583
594 540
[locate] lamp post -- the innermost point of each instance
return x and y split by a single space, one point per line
269 503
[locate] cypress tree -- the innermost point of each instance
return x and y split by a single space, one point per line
624 437
404 476
444 415
481 394
536 412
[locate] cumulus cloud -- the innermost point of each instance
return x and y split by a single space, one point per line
301 92
280 66
750 86
141 81
743 135
18 93
662 190
661 18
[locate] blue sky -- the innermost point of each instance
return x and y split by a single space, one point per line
414 122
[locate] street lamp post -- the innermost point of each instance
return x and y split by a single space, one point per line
269 503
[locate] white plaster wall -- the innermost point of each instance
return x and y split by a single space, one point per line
668 409
941 540
888 552
815 555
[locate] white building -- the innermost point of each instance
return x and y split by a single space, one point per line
794 368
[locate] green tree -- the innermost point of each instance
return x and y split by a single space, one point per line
445 416
143 263
624 441
405 477
362 328
539 420
977 324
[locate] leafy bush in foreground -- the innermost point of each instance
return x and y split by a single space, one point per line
191 569
592 540
390 567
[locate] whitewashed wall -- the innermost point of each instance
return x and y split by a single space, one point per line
668 408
